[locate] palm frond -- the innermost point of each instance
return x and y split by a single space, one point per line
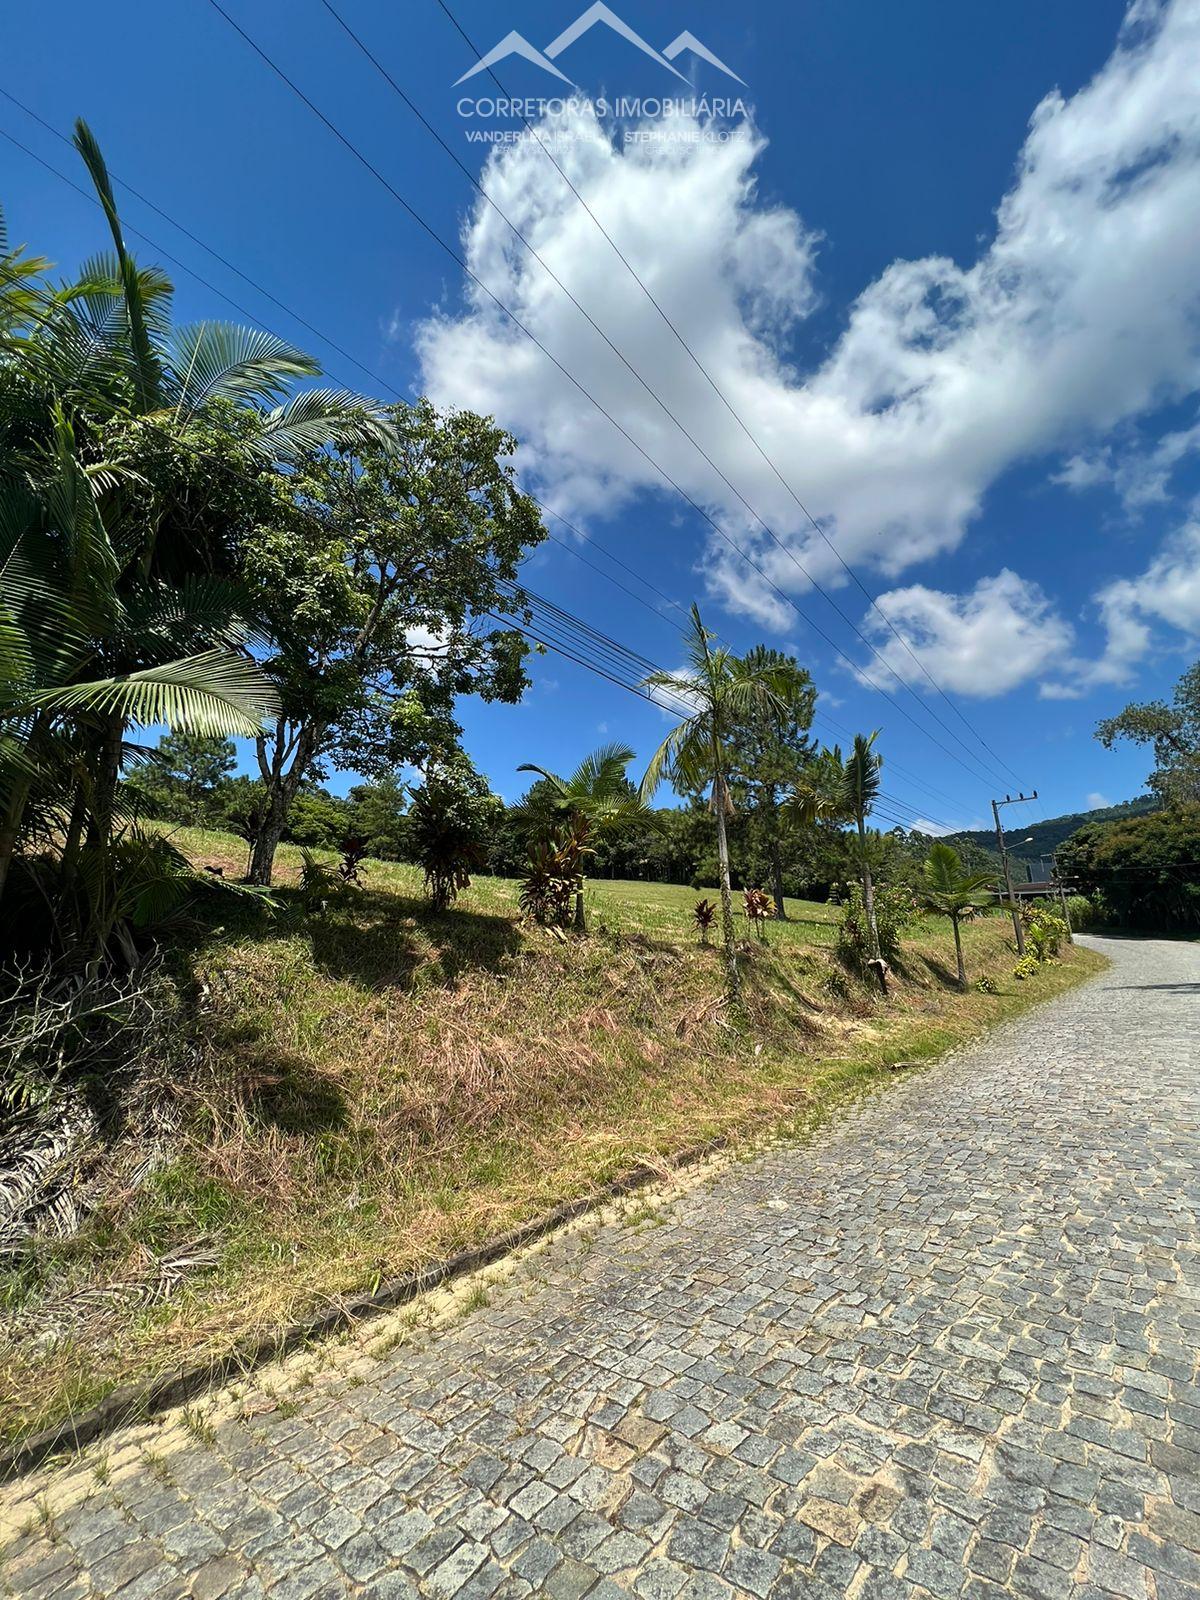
148 375
315 418
211 693
220 360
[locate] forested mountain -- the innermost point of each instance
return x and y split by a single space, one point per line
1047 836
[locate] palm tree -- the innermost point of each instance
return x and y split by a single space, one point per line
77 658
120 603
949 891
120 600
723 690
596 798
837 789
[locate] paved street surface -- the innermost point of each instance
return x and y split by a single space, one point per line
949 1348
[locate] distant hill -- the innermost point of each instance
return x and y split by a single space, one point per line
1048 835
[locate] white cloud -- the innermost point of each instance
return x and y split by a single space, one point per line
1080 314
1097 801
983 643
1140 477
1166 594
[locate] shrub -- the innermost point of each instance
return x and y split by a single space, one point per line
1083 910
703 915
1142 866
552 878
759 906
449 824
893 914
1026 967
319 884
837 985
354 850
987 985
1044 932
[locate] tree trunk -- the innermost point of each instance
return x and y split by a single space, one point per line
10 827
733 977
580 916
282 787
74 837
868 890
266 842
777 875
962 971
108 771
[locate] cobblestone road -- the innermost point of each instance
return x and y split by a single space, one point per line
949 1348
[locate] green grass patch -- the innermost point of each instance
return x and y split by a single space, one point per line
376 1087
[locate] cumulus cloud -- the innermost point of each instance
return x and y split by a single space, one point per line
1133 612
1097 801
1140 477
1001 633
1080 314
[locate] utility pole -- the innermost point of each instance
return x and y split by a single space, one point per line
1011 800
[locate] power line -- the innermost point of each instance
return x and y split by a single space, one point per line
290 311
628 365
560 624
611 646
427 228
711 381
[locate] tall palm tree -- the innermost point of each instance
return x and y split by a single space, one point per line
723 689
948 890
596 798
837 789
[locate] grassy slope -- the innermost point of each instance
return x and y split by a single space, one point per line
377 1087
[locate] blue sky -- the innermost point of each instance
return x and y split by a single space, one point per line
968 340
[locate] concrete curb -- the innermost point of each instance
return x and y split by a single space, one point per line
137 1402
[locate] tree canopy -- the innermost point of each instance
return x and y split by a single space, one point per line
1173 733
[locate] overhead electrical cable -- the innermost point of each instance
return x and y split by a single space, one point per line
633 371
226 466
454 255
709 379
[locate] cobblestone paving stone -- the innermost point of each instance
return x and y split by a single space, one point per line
948 1348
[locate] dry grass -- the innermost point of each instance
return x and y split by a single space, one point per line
382 1087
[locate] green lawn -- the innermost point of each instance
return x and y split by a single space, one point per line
626 905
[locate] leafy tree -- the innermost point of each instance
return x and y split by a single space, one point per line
120 602
83 655
378 811
725 692
768 751
318 819
451 818
949 891
1143 870
1173 731
596 799
373 598
184 773
840 789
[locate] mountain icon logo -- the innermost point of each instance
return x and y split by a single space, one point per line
515 44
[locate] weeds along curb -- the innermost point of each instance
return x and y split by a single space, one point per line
138 1402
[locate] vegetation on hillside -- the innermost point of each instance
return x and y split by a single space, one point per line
1142 872
362 1085
1033 860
